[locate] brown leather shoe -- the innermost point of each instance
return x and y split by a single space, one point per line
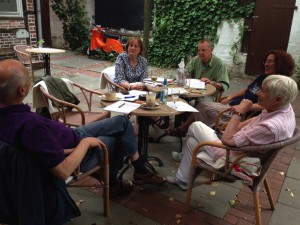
122 187
149 178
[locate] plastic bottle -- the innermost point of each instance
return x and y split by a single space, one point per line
180 73
164 92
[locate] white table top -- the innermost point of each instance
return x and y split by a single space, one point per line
45 50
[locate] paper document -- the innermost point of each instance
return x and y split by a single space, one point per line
122 107
182 91
182 107
197 84
132 96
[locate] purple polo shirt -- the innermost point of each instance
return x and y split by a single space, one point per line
43 138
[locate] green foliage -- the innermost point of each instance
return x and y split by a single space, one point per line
75 22
297 69
180 24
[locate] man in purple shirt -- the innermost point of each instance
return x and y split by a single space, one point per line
48 141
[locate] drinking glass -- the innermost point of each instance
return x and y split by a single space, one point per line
175 95
153 78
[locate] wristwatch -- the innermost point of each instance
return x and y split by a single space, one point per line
238 113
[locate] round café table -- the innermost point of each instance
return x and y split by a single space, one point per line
144 120
46 56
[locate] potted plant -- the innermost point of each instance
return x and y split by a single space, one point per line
40 43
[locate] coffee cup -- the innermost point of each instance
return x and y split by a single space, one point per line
111 96
150 99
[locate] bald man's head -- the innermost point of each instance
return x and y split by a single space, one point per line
14 82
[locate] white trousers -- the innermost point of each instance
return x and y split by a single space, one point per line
198 132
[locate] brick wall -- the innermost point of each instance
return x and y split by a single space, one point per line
9 28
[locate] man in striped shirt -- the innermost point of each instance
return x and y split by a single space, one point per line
275 123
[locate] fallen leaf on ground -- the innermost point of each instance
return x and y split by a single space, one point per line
212 193
292 194
178 216
281 173
245 218
171 199
145 210
178 221
232 203
288 189
81 201
214 184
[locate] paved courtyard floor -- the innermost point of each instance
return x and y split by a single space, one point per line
149 205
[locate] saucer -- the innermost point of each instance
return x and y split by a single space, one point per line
106 100
144 106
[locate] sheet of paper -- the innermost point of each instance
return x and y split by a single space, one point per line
182 90
182 107
197 84
122 107
132 96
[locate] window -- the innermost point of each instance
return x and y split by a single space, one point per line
11 8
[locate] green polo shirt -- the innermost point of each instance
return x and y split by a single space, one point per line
216 70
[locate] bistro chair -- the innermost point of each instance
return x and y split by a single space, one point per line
106 80
101 172
67 113
266 154
27 59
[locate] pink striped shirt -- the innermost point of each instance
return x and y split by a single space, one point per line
263 129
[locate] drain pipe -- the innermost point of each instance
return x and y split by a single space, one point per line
39 20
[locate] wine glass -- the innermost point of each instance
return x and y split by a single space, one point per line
153 78
175 95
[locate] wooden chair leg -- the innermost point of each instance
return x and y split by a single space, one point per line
269 193
190 188
32 75
257 208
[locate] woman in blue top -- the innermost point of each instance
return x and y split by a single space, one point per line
274 62
131 67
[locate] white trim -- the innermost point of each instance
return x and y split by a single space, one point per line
17 13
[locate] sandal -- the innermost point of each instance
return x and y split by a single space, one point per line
175 132
122 187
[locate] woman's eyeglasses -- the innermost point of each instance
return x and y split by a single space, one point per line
269 61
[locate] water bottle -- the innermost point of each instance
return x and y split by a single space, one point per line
164 92
180 73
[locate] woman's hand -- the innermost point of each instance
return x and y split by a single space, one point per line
137 86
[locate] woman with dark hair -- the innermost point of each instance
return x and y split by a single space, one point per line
131 67
274 62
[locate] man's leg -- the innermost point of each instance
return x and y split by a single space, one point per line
121 131
198 132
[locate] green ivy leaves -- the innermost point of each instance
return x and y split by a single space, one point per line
180 24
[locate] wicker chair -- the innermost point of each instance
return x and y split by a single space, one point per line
269 151
27 59
67 113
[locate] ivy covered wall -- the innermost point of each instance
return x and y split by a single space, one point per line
180 24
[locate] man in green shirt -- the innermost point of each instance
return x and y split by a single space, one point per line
207 67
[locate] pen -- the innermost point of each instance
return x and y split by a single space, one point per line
121 105
129 96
